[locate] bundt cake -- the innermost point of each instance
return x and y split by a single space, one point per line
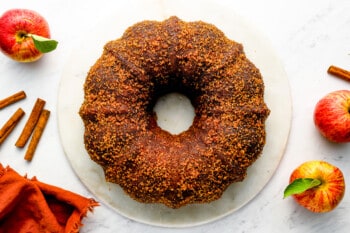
121 133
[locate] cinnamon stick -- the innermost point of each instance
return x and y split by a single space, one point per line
339 72
10 124
39 129
12 99
31 122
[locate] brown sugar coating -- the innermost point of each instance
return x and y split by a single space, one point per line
121 134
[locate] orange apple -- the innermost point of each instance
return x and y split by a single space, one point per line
332 116
317 185
22 34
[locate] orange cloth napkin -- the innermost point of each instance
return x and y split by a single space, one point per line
30 206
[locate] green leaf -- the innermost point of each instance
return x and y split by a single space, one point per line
43 44
300 185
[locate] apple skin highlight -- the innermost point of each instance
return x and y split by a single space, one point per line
328 194
15 27
332 116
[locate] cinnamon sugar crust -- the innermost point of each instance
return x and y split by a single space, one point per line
121 134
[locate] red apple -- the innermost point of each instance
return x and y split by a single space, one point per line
20 29
317 185
332 116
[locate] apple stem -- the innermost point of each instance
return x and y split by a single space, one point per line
23 35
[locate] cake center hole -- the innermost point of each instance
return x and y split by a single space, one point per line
175 112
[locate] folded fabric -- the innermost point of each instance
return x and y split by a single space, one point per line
28 205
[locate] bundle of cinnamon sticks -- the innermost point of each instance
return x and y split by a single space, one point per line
34 127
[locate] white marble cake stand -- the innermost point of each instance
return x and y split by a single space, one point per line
237 195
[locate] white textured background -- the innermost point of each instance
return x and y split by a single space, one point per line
307 35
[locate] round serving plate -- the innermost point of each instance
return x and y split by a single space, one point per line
277 97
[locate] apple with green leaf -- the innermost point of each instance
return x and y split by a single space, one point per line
25 35
332 116
316 185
